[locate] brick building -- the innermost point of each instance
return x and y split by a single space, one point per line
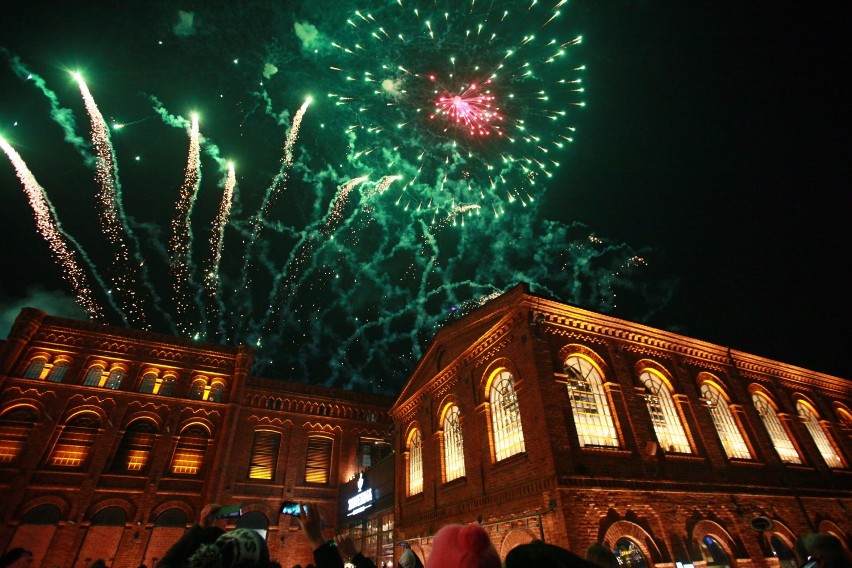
546 421
537 419
112 440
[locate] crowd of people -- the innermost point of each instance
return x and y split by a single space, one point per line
454 546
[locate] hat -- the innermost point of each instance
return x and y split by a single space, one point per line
538 553
240 547
463 546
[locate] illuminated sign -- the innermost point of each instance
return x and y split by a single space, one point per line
362 500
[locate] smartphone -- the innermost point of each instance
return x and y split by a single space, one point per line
228 512
291 508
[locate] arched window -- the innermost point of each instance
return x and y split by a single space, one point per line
453 445
114 379
149 381
713 553
505 417
197 390
167 388
35 368
57 372
415 463
264 454
780 439
823 444
93 376
135 447
189 452
781 551
318 462
629 555
661 407
589 404
15 427
726 425
216 392
76 440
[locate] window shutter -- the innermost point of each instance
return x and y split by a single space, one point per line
264 454
318 463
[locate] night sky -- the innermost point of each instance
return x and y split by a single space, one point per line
713 144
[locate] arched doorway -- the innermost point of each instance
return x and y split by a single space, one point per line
102 537
35 533
169 526
782 551
713 553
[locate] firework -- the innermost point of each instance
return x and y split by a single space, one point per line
348 273
125 274
50 229
212 281
471 104
180 243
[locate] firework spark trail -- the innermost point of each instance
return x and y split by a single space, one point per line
125 274
294 273
212 278
64 117
286 161
335 213
180 241
51 231
242 297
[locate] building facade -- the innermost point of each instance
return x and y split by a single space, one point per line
113 440
545 421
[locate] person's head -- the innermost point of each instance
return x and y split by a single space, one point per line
828 551
240 547
540 554
462 546
601 556
15 557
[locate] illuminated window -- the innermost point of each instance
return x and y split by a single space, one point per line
372 450
264 454
93 377
189 453
114 379
197 391
453 445
75 441
415 463
57 372
661 407
15 428
505 417
713 553
35 368
780 439
589 405
135 447
318 463
629 555
826 448
149 382
216 392
167 388
723 419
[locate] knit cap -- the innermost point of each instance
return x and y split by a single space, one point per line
240 547
462 546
